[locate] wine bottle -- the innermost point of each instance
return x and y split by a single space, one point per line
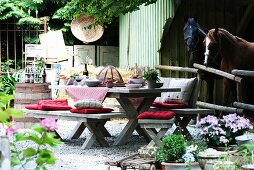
44 76
85 71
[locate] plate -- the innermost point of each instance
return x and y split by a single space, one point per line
133 86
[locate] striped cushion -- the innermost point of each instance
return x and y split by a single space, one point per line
80 104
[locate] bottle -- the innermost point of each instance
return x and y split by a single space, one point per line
27 75
31 78
85 71
44 76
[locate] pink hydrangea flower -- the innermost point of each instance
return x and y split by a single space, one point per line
12 129
49 124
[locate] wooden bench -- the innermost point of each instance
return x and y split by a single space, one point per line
93 122
181 120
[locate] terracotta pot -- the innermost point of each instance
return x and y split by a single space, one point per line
179 166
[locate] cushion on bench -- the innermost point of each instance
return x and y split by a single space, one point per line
54 102
49 105
172 105
32 107
91 110
156 115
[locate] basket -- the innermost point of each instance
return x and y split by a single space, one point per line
86 35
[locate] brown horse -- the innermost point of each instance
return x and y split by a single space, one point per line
235 52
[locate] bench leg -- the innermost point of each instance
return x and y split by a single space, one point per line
77 131
156 137
101 127
96 135
181 126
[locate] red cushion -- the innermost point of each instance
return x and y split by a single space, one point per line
32 107
53 102
156 115
91 110
54 107
173 105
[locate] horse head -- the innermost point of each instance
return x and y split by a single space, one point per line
193 37
212 49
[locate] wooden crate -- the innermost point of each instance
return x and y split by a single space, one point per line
136 161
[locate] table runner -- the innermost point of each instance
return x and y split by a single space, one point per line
89 93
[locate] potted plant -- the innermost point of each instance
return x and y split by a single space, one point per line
221 132
176 153
151 76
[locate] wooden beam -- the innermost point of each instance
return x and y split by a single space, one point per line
218 72
175 68
237 72
244 106
219 107
245 20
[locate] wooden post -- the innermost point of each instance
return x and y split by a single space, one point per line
219 107
5 153
175 68
218 72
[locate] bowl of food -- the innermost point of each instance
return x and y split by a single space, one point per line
133 86
136 81
92 82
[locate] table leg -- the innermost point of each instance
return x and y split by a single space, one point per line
132 113
181 126
126 132
96 135
77 131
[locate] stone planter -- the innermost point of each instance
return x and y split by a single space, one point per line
218 164
179 166
151 84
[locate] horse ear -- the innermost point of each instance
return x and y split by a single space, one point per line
195 19
216 30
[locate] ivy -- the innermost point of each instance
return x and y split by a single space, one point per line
104 11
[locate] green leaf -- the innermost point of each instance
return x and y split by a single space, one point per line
29 152
38 128
3 116
15 113
14 161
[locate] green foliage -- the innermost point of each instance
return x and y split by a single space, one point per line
19 9
151 74
37 150
7 84
172 149
103 11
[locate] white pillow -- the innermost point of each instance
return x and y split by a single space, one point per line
186 85
80 104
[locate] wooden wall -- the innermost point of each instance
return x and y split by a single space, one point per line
209 14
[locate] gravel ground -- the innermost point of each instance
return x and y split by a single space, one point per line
70 156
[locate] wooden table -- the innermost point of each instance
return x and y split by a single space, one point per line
123 96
